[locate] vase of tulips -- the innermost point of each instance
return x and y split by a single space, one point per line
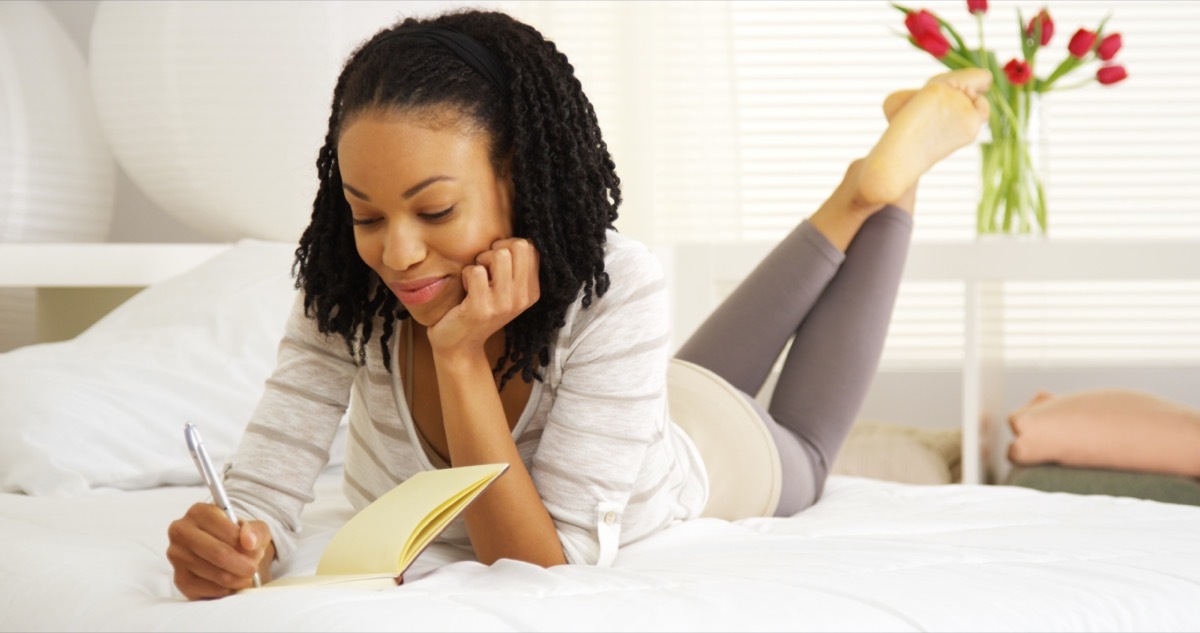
1012 196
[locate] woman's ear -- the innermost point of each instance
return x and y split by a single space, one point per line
506 164
505 168
504 175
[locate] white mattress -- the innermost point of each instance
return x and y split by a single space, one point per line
869 556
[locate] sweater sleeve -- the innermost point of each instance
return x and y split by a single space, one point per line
286 443
609 406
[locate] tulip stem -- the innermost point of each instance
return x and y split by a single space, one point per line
982 49
1077 85
1012 199
962 62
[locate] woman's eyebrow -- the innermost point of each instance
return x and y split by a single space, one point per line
415 189
412 191
357 194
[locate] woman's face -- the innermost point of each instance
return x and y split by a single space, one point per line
425 202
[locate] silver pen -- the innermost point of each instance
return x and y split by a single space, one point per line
204 465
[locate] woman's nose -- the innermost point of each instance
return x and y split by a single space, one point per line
403 247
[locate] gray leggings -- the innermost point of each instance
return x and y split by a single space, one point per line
838 307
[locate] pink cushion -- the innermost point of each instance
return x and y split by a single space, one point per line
1108 428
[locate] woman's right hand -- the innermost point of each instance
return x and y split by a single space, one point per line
501 285
214 558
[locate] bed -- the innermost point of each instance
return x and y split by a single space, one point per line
93 466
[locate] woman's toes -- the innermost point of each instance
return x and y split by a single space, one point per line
981 106
973 79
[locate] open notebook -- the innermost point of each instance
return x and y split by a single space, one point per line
375 547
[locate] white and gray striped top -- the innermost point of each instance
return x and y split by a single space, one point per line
596 435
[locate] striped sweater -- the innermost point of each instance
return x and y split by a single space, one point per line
596 435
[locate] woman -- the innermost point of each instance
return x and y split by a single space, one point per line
465 297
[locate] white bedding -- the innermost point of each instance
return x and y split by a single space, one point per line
93 427
870 555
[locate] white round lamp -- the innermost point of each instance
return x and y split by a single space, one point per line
217 110
57 177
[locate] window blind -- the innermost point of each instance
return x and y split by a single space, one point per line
731 121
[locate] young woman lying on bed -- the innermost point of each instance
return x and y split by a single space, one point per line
465 296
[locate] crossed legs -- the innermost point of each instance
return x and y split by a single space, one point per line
830 285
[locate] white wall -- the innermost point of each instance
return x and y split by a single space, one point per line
899 396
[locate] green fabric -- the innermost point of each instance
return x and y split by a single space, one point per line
1118 483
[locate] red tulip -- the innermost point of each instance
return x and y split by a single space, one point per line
977 6
1018 72
1109 75
919 22
934 43
1081 43
1043 18
1109 46
927 33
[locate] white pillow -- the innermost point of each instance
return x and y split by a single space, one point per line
107 408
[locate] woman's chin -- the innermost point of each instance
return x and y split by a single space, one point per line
427 314
420 315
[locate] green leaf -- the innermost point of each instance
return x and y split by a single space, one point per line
955 61
999 79
1029 45
1041 206
1067 65
962 47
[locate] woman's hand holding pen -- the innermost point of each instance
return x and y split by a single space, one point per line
213 557
501 284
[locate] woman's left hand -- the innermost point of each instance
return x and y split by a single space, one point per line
501 284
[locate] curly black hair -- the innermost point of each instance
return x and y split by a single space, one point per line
566 186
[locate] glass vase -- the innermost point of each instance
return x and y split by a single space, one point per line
1012 199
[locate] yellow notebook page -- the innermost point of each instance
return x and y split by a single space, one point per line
385 537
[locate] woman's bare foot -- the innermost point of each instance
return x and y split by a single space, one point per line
953 100
925 126
893 102
891 106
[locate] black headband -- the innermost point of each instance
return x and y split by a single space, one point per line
467 48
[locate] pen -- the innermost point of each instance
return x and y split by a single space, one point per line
204 465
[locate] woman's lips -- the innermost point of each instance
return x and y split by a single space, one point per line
418 292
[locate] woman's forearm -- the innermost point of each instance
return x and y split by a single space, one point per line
508 520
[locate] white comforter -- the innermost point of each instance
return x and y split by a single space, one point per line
869 556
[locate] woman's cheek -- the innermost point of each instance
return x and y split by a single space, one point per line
370 250
470 244
360 245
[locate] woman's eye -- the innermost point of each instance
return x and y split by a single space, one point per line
363 221
440 215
